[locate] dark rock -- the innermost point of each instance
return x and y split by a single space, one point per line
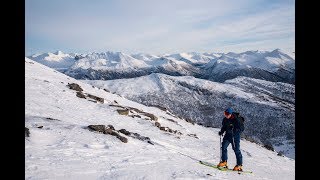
40 127
108 131
75 87
115 101
123 139
111 127
123 131
96 98
80 95
163 128
157 124
193 135
269 147
190 121
26 132
99 128
135 109
153 117
52 119
123 112
172 120
280 153
106 90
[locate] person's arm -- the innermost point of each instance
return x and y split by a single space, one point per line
223 128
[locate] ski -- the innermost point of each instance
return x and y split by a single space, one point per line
222 168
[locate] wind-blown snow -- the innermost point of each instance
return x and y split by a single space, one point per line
62 147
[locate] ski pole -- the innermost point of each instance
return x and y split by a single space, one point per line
220 149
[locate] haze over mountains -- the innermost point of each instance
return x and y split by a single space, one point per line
199 86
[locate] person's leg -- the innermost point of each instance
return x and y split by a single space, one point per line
225 144
236 149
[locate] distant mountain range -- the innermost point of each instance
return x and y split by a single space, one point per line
275 66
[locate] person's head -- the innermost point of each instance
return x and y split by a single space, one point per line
228 112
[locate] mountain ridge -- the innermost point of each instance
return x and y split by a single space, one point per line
273 65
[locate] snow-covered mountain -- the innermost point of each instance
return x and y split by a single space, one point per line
58 60
62 117
193 57
275 66
110 65
269 107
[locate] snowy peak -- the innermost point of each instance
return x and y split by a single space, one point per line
109 60
192 58
266 60
275 66
144 56
57 56
58 60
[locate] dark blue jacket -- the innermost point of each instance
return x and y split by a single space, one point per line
231 126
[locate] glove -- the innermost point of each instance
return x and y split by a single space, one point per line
220 133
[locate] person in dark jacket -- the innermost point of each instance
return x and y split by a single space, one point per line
231 128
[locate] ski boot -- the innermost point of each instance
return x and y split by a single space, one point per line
223 164
238 168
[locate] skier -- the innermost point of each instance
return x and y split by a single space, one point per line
231 127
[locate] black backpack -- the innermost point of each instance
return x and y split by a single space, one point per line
241 120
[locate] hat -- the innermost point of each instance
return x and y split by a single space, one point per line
229 111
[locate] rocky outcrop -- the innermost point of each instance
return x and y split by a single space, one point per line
75 87
26 132
136 136
81 94
99 99
107 130
123 112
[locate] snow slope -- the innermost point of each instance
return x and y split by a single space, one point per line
269 107
61 147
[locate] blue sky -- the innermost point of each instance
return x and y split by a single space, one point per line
156 27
